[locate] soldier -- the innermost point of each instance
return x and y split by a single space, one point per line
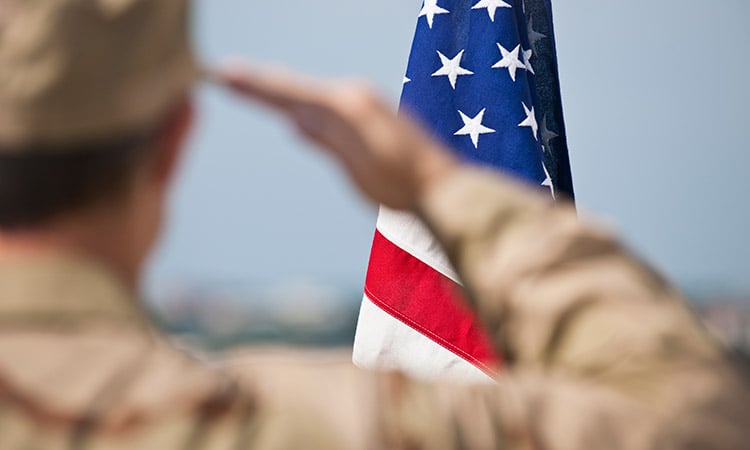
94 106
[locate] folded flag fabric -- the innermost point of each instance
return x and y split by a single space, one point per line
483 78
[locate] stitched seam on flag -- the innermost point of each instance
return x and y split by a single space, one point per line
429 334
388 256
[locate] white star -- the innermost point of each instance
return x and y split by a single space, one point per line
406 80
491 6
527 60
534 36
430 9
547 134
548 181
530 120
473 127
510 61
452 68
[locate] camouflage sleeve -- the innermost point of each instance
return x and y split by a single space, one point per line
534 270
601 352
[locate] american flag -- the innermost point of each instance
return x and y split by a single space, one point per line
483 78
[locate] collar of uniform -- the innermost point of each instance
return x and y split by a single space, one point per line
62 292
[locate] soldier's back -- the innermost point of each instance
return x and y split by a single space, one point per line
80 367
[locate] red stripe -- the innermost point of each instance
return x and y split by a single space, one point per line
426 300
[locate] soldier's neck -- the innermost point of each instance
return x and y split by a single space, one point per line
104 238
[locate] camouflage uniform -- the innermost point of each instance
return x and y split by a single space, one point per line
602 353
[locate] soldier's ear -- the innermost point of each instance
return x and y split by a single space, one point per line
171 142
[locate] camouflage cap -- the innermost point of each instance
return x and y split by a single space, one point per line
77 70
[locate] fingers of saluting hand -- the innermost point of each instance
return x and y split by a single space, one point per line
309 103
275 87
332 113
292 93
347 119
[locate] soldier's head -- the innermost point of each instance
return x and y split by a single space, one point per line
94 104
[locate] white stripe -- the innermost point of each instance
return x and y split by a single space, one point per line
385 343
410 234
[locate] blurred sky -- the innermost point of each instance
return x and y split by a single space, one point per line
656 102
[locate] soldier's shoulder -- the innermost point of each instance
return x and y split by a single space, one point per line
111 384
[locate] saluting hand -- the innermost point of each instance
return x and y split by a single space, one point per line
391 160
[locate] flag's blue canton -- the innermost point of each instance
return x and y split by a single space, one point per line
471 80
